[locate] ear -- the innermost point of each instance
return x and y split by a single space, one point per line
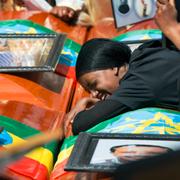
116 70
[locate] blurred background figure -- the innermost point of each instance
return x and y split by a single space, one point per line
82 12
6 5
70 11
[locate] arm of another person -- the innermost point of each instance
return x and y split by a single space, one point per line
166 19
67 10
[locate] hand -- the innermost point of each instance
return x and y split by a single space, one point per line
65 13
83 104
166 15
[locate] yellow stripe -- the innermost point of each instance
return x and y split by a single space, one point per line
42 155
64 155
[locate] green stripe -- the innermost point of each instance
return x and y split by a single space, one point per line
162 110
26 23
68 142
17 128
23 131
72 45
137 32
71 140
104 124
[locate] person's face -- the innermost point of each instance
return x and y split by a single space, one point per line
132 153
102 83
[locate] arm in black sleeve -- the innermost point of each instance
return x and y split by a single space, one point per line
132 94
102 111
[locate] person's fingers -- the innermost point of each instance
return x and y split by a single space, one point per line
54 11
68 127
102 96
94 93
71 13
159 5
60 12
99 96
67 122
163 2
93 100
159 8
172 2
68 131
70 116
64 12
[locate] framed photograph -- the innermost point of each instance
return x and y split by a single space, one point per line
127 12
30 52
104 152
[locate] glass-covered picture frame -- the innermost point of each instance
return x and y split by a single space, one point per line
127 12
105 152
30 52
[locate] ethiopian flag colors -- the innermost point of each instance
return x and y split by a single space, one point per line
38 163
142 121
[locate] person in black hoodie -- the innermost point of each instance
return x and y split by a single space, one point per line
120 81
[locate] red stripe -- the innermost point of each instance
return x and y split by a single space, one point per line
29 168
69 176
65 70
59 170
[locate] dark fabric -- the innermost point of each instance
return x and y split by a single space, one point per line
151 81
102 111
51 2
152 78
177 2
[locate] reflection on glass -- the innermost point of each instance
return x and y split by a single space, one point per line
143 7
24 52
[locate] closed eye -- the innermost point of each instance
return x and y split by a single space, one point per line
92 86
